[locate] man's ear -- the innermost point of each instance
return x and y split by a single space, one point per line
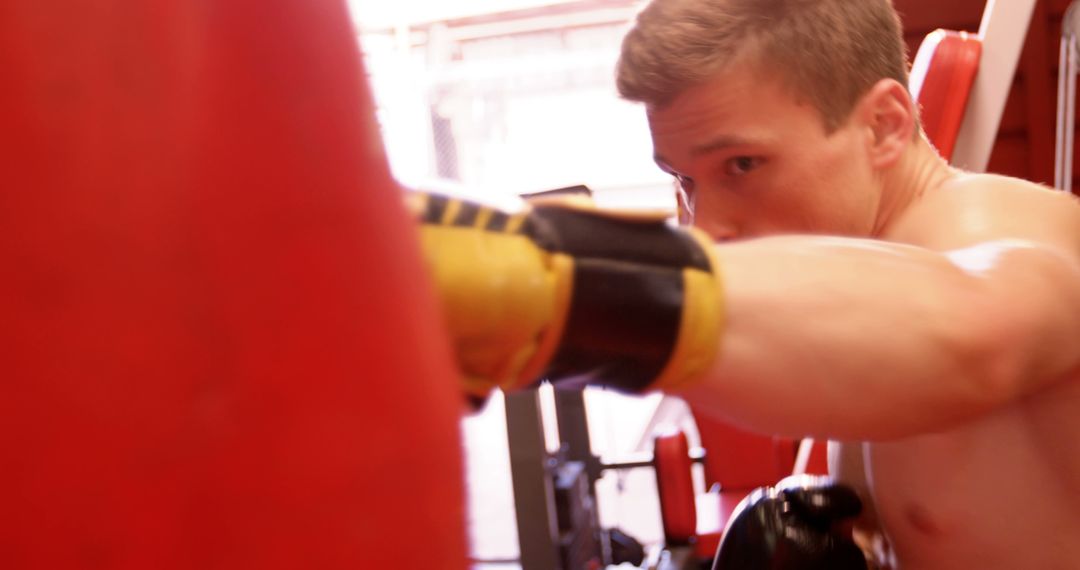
889 114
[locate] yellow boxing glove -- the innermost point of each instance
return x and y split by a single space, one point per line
568 293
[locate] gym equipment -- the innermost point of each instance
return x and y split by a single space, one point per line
1001 32
942 75
1066 110
554 493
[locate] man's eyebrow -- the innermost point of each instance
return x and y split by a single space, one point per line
720 143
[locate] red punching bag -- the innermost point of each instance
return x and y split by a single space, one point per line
217 349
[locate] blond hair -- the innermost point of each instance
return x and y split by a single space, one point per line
827 52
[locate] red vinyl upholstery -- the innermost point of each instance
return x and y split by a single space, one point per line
941 79
737 459
674 480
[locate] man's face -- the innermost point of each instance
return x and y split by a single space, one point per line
756 162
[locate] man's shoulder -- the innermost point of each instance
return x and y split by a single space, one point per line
996 187
973 208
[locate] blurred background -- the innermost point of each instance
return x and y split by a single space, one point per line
496 99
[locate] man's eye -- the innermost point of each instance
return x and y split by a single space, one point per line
741 165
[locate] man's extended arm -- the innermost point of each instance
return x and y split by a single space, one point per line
838 337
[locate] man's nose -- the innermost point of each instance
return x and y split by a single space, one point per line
718 213
718 230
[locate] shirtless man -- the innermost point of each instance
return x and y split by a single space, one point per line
943 328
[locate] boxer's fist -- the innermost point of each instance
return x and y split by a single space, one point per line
803 523
567 293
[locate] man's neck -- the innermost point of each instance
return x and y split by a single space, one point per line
919 171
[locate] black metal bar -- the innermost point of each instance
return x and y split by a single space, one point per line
697 455
574 431
534 494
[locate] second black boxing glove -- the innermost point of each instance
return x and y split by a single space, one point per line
803 523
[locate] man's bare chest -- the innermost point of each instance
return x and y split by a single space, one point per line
971 491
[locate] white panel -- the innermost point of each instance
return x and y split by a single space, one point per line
1003 30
